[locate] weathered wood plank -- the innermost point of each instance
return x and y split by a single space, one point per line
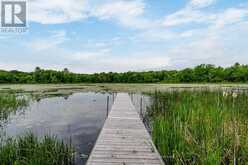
124 139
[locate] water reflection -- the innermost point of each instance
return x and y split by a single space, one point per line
77 118
11 104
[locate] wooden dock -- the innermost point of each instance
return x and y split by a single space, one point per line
124 139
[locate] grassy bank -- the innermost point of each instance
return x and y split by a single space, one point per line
200 127
29 150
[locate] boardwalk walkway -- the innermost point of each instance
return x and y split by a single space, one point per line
124 139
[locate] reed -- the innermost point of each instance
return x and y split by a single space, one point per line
11 103
200 127
30 150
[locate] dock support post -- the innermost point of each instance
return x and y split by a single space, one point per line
141 108
107 105
113 96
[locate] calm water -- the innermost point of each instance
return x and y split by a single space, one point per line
77 118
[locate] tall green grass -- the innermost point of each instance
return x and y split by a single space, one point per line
29 150
200 127
10 102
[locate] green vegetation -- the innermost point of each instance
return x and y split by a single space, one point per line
201 73
200 127
11 103
29 150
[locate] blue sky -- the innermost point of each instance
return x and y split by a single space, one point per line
121 35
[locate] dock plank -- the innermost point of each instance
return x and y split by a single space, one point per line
124 139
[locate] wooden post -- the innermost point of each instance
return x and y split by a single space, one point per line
141 109
113 97
107 106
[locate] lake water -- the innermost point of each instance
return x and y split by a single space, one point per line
77 119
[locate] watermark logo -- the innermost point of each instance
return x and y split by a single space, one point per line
13 16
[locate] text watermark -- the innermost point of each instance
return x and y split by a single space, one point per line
13 16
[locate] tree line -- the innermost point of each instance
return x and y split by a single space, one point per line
204 73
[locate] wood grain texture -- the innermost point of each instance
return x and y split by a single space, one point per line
124 139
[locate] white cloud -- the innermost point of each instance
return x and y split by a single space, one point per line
57 11
187 33
87 56
157 35
17 66
210 47
103 43
189 15
120 9
219 39
57 37
201 3
231 16
185 16
101 61
223 47
126 13
136 63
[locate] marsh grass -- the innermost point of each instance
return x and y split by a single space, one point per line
200 127
11 102
29 150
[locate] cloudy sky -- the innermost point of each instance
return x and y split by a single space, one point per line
120 35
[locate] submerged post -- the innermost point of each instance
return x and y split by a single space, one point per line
131 95
107 105
113 96
141 108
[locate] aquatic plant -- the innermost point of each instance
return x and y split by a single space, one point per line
200 127
30 150
11 102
